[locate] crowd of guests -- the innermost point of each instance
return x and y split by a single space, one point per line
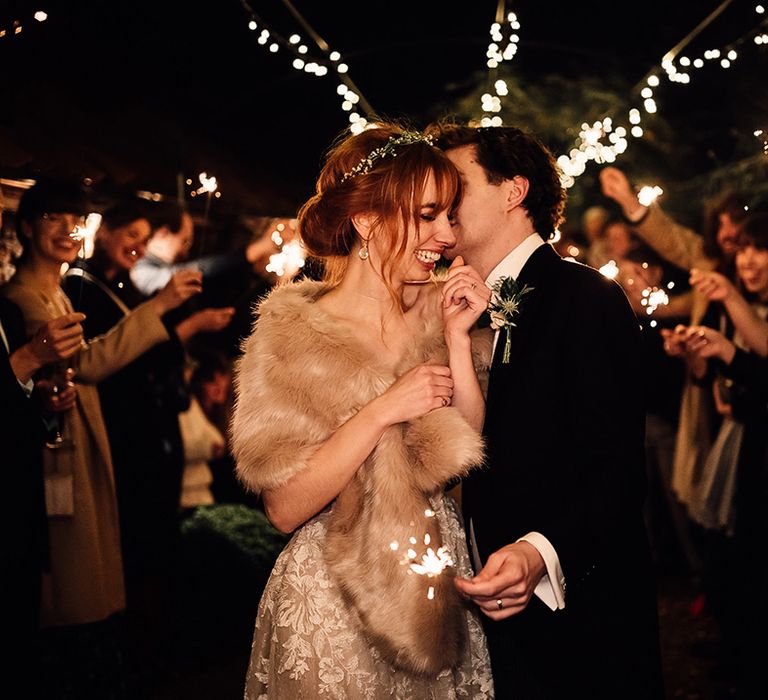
702 300
118 410
120 389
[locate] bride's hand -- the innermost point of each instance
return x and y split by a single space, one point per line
419 391
465 297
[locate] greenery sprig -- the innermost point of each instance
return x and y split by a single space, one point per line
504 307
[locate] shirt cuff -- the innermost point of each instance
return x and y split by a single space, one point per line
551 588
27 387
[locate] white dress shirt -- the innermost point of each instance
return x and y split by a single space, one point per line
551 587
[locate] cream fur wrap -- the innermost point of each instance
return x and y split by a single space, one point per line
302 375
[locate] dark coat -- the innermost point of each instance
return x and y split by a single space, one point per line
141 405
565 437
24 524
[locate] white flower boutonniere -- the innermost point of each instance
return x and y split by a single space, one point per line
504 307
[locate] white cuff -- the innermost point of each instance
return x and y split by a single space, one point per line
551 588
27 387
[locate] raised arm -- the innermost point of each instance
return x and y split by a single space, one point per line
465 297
138 331
674 242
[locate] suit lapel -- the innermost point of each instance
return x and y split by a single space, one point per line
535 274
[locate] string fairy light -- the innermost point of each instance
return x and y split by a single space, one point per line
352 100
496 55
16 27
591 143
763 136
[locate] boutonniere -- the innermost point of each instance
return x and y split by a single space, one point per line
504 307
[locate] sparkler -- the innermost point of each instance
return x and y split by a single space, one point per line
647 195
430 563
208 185
610 270
653 298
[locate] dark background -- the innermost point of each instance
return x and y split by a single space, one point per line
135 94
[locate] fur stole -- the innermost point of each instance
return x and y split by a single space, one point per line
302 375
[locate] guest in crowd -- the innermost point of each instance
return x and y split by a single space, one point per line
22 434
173 233
661 298
737 489
683 247
203 443
85 585
141 404
593 221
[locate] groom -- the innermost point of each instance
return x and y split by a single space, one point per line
564 571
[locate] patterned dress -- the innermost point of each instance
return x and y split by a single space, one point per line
309 643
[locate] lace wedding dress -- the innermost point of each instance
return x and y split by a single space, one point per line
309 644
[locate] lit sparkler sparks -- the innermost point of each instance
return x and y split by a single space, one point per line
647 195
653 298
610 270
432 563
288 261
207 184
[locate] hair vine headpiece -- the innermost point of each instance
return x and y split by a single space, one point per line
407 138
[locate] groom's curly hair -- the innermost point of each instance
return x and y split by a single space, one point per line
505 152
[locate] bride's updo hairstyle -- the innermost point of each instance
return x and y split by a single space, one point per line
380 172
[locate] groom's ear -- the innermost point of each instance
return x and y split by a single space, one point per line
517 191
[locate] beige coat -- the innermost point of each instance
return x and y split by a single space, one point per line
684 248
302 376
86 577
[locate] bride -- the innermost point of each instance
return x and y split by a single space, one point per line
357 401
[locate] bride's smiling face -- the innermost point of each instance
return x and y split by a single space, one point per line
428 236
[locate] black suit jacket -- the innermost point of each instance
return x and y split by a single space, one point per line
565 430
24 524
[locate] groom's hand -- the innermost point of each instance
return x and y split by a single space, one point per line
510 577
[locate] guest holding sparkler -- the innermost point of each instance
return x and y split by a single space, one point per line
168 249
685 248
144 399
661 298
23 521
343 422
732 354
85 586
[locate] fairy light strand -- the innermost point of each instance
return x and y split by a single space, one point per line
352 100
16 27
602 143
498 52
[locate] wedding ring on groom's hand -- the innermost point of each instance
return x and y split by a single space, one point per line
499 604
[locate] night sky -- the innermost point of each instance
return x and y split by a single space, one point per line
133 93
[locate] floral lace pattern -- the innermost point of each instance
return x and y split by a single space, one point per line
308 643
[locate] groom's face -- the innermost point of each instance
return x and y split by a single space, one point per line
481 211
